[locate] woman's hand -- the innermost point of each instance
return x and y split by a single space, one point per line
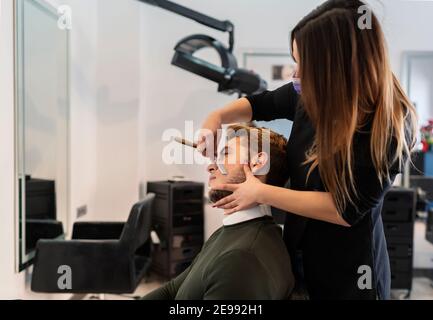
237 111
245 195
207 140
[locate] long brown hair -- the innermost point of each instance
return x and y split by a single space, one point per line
347 84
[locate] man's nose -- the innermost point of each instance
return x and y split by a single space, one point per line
212 167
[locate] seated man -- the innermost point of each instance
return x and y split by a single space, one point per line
246 258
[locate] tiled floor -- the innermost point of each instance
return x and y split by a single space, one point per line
422 290
144 288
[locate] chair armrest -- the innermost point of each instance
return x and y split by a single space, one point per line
97 230
42 229
96 267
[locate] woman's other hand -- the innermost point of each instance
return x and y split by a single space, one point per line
245 195
208 136
237 111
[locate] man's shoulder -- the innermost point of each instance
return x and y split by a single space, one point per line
268 230
256 234
268 245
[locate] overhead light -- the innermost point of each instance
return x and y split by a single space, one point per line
227 75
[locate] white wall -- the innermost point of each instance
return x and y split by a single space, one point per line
118 107
407 26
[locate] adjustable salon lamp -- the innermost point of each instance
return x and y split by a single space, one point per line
229 77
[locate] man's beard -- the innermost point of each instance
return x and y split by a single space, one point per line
217 195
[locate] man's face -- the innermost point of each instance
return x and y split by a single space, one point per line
231 160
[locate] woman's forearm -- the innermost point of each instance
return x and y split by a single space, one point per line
237 111
309 204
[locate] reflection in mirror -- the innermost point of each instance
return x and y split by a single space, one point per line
42 126
420 85
418 75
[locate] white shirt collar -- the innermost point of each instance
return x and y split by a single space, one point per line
246 215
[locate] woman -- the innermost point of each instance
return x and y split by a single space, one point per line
353 129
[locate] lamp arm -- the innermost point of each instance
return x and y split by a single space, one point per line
224 26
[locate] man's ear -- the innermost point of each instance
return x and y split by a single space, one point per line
260 164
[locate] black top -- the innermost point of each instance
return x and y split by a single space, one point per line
331 254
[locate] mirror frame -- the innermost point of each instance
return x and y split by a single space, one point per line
23 262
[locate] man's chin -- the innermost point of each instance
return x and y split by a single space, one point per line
217 195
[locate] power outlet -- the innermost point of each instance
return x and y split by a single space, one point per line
142 190
81 212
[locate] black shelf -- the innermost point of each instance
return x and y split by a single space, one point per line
178 219
398 215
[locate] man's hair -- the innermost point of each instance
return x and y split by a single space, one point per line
258 137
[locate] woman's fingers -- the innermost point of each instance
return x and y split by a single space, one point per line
231 211
229 206
202 145
224 201
226 187
206 143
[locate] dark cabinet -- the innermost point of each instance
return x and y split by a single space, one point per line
178 219
398 215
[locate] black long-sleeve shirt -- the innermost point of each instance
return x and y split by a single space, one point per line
333 256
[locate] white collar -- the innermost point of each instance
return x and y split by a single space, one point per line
246 215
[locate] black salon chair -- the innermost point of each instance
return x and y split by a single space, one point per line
102 257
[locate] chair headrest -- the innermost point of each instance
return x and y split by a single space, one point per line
138 227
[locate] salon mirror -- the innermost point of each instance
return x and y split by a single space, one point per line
417 79
42 127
